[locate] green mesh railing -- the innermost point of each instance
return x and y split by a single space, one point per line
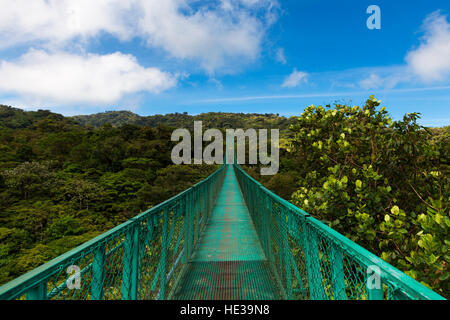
312 261
146 257
140 259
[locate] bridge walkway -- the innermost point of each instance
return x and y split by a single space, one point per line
228 262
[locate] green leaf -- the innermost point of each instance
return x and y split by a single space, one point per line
438 218
432 259
395 210
421 243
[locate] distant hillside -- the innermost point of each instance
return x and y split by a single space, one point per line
115 118
14 118
184 120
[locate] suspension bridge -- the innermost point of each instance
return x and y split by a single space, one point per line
226 238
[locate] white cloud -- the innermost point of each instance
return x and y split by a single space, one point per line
69 78
385 77
294 79
216 82
431 60
218 35
372 82
428 63
280 56
58 21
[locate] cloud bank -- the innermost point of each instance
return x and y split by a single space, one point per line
230 34
90 78
217 34
220 37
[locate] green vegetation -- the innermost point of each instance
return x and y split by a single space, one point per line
384 184
183 120
62 184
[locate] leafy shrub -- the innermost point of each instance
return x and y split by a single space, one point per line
380 182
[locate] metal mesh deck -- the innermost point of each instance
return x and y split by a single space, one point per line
228 262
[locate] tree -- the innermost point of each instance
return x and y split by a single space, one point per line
378 181
29 177
82 192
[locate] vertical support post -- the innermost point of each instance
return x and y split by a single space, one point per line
135 265
192 220
147 237
38 292
316 290
199 213
200 209
375 294
126 271
98 273
374 286
337 276
187 228
196 215
209 195
203 207
193 195
149 234
281 248
267 228
130 274
164 247
286 253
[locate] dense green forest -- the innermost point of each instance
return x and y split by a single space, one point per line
62 184
382 183
220 120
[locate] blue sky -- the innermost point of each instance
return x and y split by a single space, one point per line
264 56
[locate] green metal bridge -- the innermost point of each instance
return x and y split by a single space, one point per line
227 237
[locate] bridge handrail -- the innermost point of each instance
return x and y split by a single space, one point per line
195 202
397 285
